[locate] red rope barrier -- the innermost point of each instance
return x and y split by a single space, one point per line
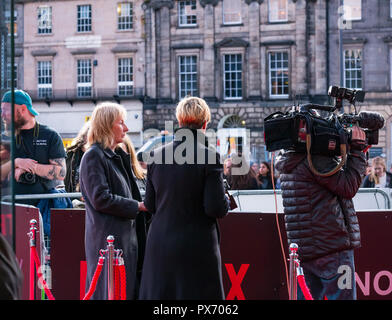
304 287
32 276
39 273
116 280
94 281
123 291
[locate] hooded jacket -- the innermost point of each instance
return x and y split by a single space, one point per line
319 212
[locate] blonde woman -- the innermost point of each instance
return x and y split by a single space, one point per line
112 197
182 259
379 177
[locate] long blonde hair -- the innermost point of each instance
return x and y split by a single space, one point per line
139 172
375 162
102 120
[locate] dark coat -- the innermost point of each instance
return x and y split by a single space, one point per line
182 259
319 211
111 196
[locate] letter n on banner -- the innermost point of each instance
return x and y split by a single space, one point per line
236 280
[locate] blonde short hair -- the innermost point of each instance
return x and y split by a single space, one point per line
101 123
193 112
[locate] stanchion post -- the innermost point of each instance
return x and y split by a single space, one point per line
293 269
33 243
110 253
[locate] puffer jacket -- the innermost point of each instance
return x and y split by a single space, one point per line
319 212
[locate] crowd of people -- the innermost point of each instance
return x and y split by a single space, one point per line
167 236
254 176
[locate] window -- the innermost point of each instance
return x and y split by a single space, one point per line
279 74
84 18
84 78
8 76
187 13
231 12
352 9
187 76
7 21
232 76
44 74
125 76
44 20
124 16
353 68
277 10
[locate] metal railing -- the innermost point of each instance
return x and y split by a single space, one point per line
250 200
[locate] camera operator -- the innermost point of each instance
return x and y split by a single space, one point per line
320 217
39 152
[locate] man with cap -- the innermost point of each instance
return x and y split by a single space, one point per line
39 152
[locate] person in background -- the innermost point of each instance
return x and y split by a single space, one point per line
74 156
183 259
247 180
379 177
264 176
39 152
142 220
255 167
112 197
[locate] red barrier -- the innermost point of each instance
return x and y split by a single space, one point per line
94 281
118 272
34 260
247 239
304 288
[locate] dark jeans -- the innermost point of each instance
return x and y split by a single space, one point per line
332 276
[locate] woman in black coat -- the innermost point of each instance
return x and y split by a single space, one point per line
185 196
112 197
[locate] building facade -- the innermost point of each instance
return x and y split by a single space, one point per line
246 58
80 53
249 59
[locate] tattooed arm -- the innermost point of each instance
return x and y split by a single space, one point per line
53 171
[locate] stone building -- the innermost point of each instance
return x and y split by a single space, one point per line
250 58
5 45
247 58
79 53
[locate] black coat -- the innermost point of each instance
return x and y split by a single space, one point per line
111 196
319 211
182 259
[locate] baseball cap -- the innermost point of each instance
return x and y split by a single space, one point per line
21 97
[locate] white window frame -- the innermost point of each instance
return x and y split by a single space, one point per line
228 13
8 76
352 10
44 78
125 16
7 22
125 76
351 66
273 10
84 18
279 67
187 75
228 62
183 7
84 71
44 16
